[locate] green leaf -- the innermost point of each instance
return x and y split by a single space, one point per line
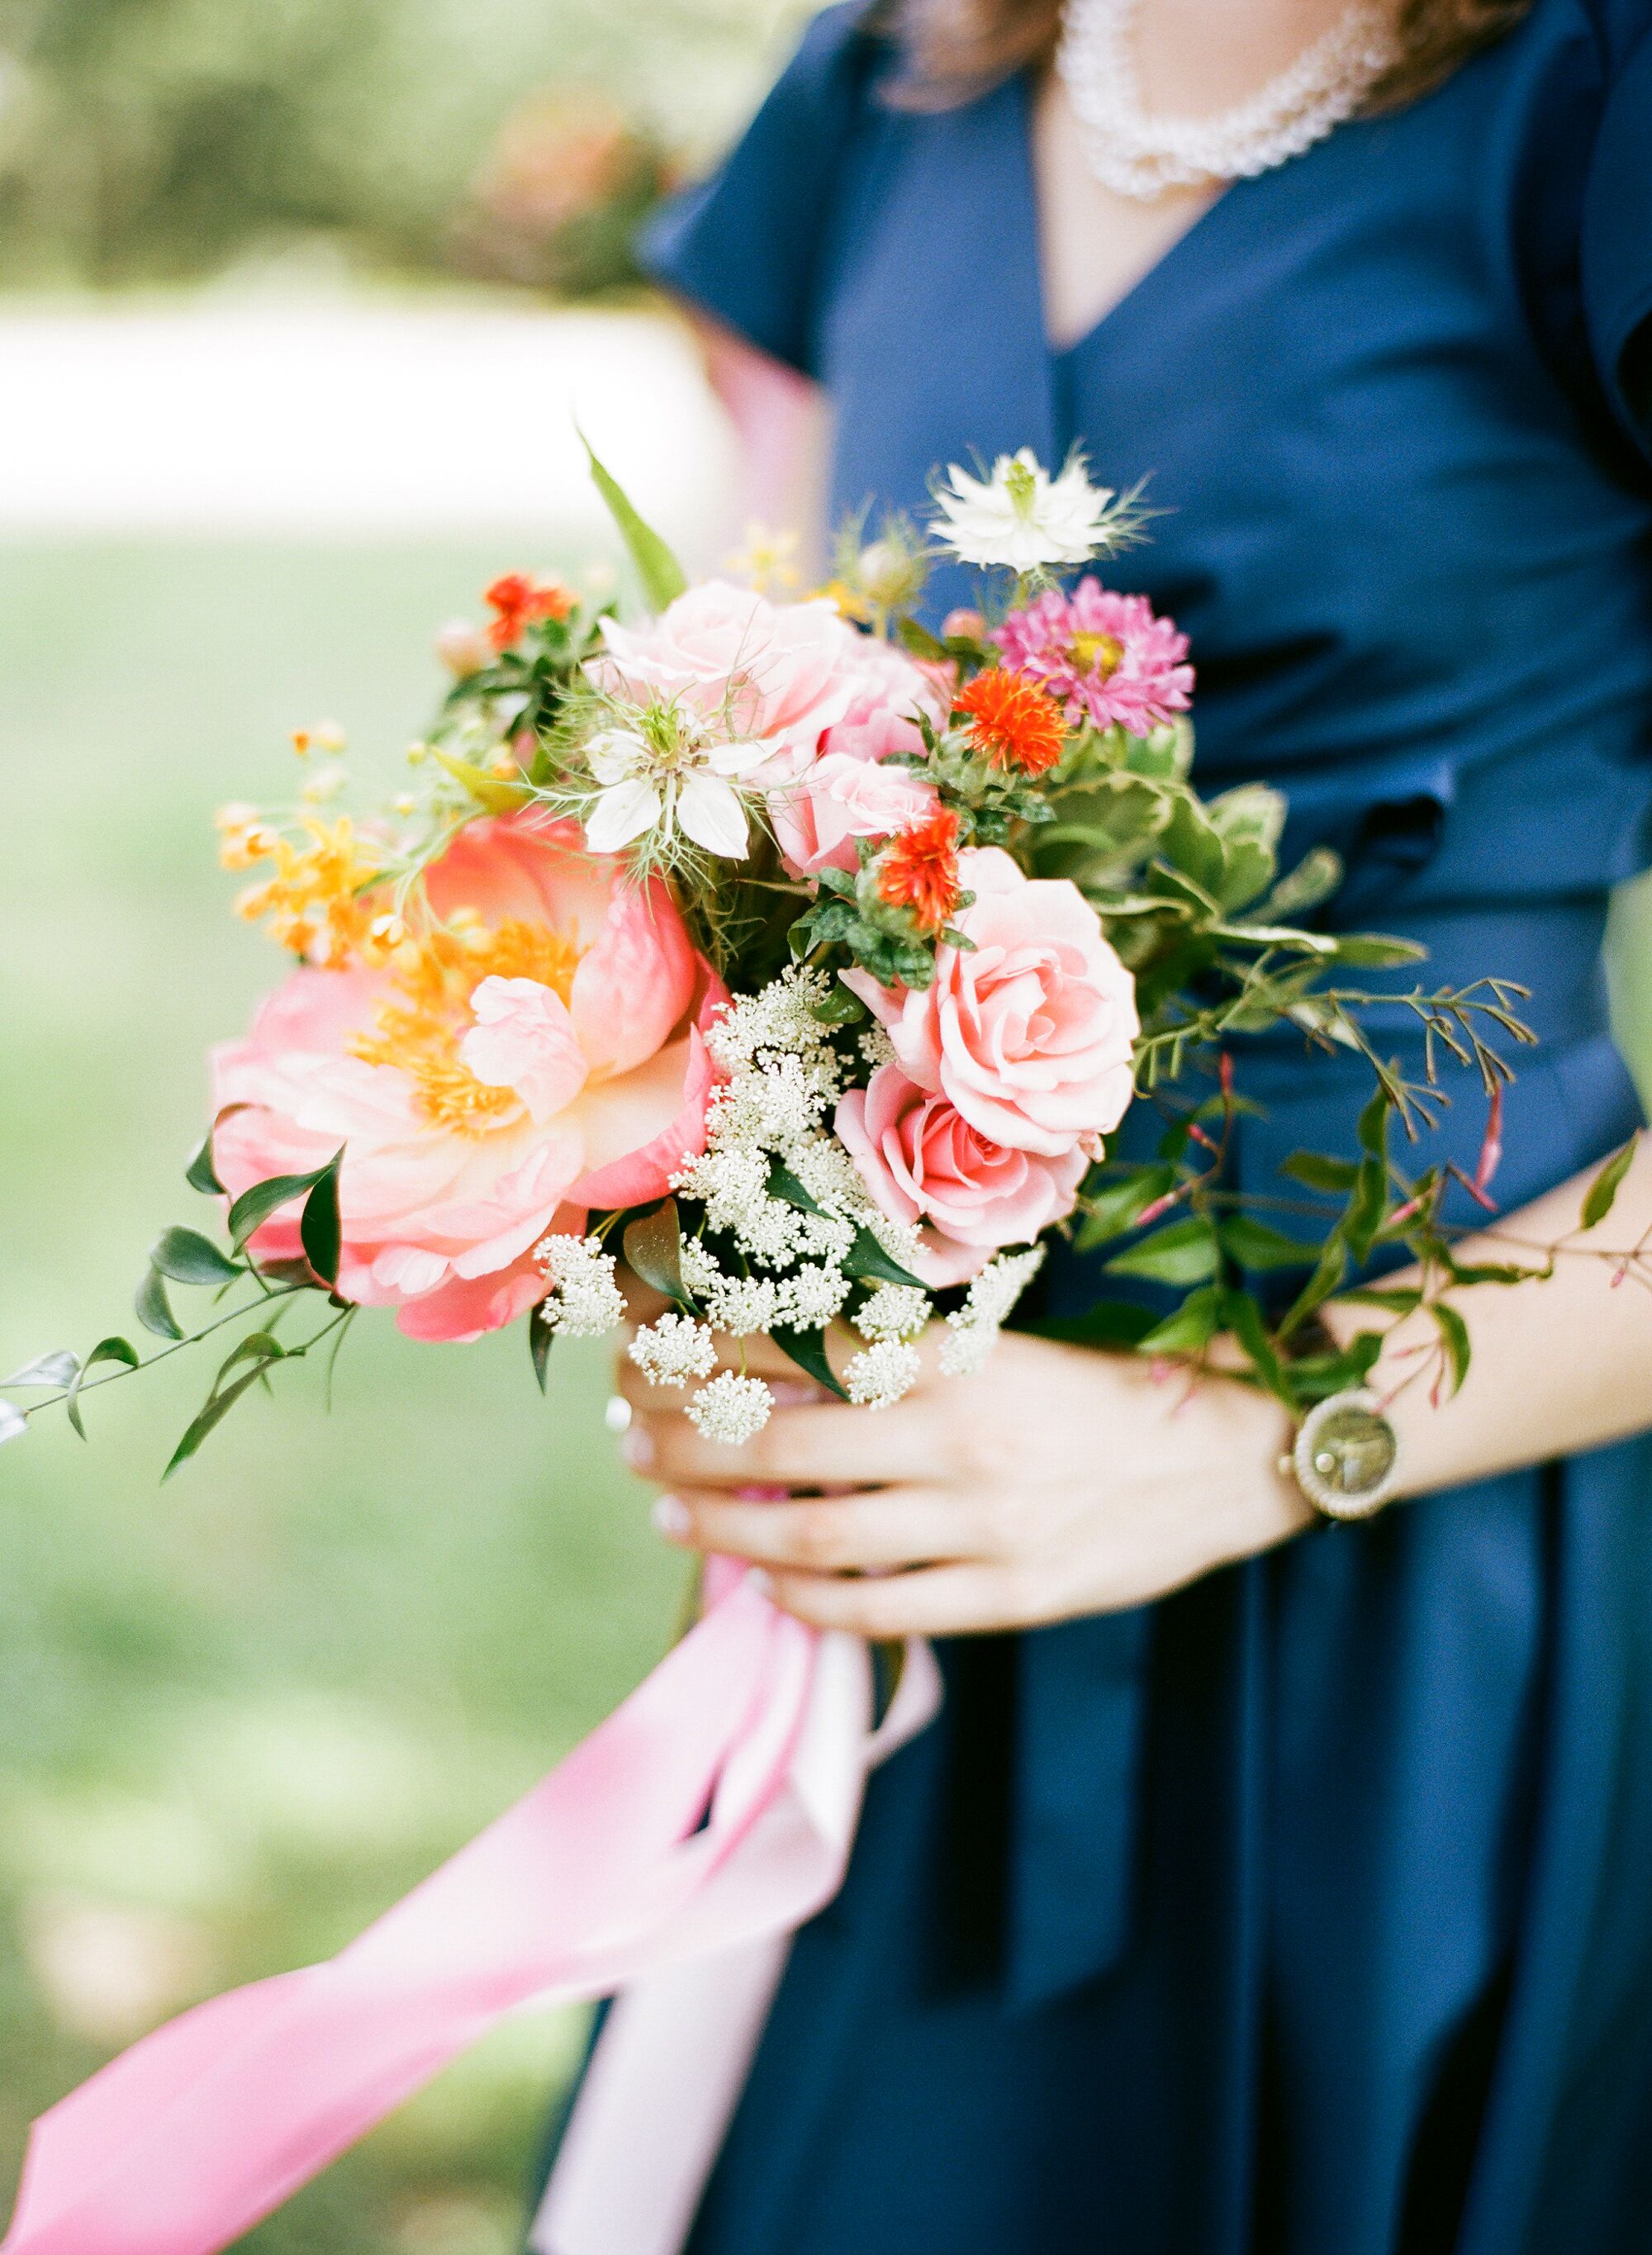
1377 951
496 793
865 1260
1373 1125
1602 1192
540 1339
260 1347
1114 1208
1185 1253
1399 1299
200 1174
215 1410
1329 1271
662 576
807 1350
1319 1171
254 1206
320 1230
1192 1327
60 1367
1454 1335
1367 1205
839 1007
1245 1321
1491 1272
107 1350
189 1258
1117 1324
783 1183
653 1246
1253 1245
152 1308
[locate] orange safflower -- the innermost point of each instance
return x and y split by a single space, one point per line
515 600
918 871
1012 722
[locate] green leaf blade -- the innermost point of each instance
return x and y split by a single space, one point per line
188 1258
662 576
1602 1192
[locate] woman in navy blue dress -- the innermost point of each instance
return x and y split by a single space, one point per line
1276 1889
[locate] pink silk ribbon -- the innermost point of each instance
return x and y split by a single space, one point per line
682 1841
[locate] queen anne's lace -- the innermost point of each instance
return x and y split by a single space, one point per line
583 1300
731 1408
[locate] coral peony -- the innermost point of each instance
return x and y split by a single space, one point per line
1105 655
1030 1031
922 1161
536 1052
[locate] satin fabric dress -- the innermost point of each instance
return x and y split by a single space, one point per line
1310 1911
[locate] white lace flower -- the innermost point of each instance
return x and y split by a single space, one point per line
1021 517
673 1350
731 1408
583 1301
813 1295
971 1331
894 1311
670 777
741 1305
878 1376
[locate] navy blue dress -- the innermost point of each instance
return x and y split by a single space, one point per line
1309 1912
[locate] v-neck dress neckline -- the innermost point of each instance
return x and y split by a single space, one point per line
1182 250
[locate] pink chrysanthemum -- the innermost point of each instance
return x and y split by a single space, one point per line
1101 654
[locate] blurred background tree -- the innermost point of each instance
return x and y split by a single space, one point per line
146 141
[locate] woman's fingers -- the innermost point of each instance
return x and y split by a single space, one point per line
886 1527
950 1600
821 1445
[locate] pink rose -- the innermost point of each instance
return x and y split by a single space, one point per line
487 1091
838 799
922 1161
772 673
887 690
1030 1033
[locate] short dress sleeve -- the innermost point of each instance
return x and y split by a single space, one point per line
1617 239
746 242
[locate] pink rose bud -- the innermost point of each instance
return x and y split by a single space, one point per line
463 649
964 626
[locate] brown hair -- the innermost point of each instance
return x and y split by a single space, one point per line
957 48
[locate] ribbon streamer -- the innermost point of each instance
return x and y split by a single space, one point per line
709 1815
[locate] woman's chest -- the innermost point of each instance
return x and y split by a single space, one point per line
1377 500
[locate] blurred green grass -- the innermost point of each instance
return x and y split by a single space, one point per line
240 1715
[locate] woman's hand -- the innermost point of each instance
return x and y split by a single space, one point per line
1055 1482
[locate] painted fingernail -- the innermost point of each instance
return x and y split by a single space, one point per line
617 1414
636 1449
671 1515
759 1578
795 1393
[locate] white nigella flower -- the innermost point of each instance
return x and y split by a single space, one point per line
668 774
1023 517
731 1408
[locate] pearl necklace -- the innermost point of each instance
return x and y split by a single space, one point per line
1139 156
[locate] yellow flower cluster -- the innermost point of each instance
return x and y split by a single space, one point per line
420 1029
312 901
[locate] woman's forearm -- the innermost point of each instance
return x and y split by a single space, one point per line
1557 1364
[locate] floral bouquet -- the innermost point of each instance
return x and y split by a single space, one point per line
806 964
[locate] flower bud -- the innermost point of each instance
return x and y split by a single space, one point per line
464 648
